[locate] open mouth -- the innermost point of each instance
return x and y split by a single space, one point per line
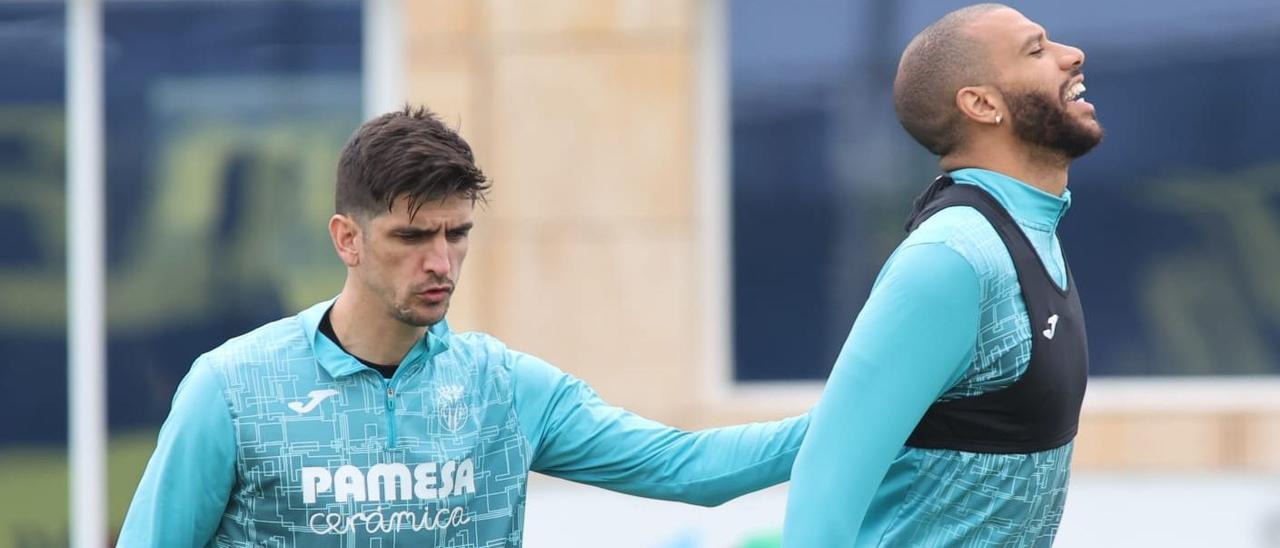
1074 93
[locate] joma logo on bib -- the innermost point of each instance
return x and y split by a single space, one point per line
389 482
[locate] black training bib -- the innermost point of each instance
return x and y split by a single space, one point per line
1041 409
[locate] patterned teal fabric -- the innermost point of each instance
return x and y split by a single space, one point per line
279 438
854 483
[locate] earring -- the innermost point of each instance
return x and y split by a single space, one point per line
998 118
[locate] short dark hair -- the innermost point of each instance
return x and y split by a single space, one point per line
939 61
405 153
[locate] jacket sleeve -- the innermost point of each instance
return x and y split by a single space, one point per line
912 340
577 436
188 481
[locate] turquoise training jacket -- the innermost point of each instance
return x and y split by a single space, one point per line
944 320
279 438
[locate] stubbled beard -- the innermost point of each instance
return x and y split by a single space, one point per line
408 316
1042 120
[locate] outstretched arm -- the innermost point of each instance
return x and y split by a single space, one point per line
577 436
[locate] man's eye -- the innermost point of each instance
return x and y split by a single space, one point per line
1037 52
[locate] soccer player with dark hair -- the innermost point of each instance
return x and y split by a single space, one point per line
949 417
364 421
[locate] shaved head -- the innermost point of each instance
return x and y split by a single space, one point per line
943 58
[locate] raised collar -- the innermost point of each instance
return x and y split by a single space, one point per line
1028 205
338 363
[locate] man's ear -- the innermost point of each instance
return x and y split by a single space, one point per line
982 104
344 230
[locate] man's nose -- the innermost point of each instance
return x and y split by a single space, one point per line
1072 57
436 258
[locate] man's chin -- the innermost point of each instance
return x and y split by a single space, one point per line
1095 131
1083 134
1082 147
425 316
428 320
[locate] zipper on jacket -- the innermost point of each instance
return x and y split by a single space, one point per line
391 413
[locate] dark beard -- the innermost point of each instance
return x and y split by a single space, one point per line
1042 120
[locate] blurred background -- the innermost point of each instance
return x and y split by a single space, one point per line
691 201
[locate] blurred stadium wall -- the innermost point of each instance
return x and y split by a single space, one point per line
606 126
593 253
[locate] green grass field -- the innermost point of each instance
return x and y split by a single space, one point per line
33 489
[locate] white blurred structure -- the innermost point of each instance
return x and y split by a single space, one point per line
383 56
86 280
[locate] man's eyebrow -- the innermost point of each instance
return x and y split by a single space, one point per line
1038 37
413 231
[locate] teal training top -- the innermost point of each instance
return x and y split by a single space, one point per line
279 438
945 320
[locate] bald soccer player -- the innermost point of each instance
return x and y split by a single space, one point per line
949 417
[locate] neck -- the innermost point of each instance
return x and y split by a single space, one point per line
367 331
1042 169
